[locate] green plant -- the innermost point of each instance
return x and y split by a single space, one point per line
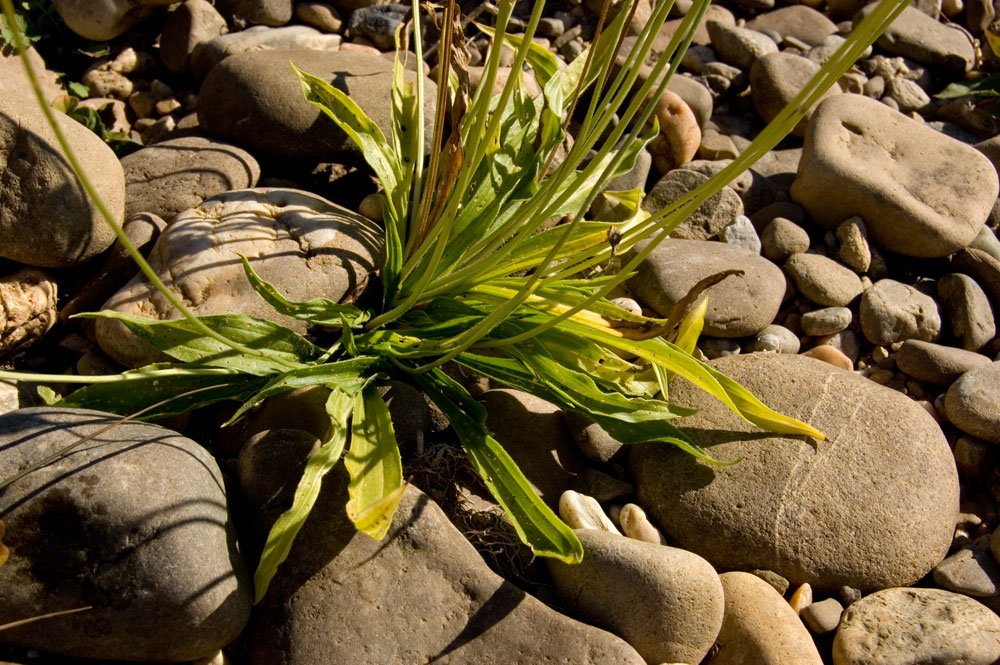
473 275
119 142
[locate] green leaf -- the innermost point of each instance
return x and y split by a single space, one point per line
691 327
984 87
363 131
374 465
281 349
318 311
539 58
287 526
180 388
78 89
535 523
348 376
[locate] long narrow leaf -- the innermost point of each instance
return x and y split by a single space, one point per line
374 465
535 523
280 348
287 526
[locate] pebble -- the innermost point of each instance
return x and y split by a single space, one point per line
300 242
936 363
826 321
665 602
967 310
823 280
987 241
192 23
971 402
782 238
738 46
103 21
580 511
742 234
784 506
179 174
972 456
257 101
971 570
779 583
893 312
636 525
591 439
801 598
679 126
319 15
919 37
705 223
774 338
984 269
906 625
378 23
28 308
927 196
831 355
738 306
908 95
208 54
823 616
799 21
776 78
759 626
854 250
48 221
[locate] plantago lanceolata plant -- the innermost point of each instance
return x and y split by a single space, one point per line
473 274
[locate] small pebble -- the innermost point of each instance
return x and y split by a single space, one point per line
779 583
854 250
826 321
849 595
802 598
971 570
782 238
774 338
636 525
824 616
829 354
972 456
823 280
742 234
579 511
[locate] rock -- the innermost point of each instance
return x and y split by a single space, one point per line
256 12
823 280
826 321
103 21
777 582
738 306
421 594
258 101
665 602
304 245
782 238
967 310
27 308
936 363
636 525
759 626
132 524
601 486
378 24
854 250
774 338
776 78
533 433
720 210
192 23
801 598
919 192
893 312
788 503
987 241
824 616
917 625
984 269
679 127
595 443
46 218
580 511
739 47
14 81
179 174
742 234
321 16
695 95
797 21
971 402
832 355
971 571
269 466
919 37
907 94
207 55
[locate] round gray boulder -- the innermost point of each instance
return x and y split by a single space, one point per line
131 524
872 506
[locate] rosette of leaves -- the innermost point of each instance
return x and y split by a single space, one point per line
475 274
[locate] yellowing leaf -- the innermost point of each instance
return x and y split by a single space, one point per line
374 465
4 551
